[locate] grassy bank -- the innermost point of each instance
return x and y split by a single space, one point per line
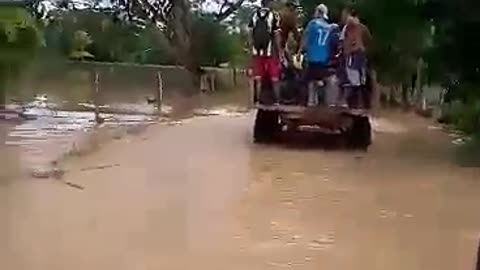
463 114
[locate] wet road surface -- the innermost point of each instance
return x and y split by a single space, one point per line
200 195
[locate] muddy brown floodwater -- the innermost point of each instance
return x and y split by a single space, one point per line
199 195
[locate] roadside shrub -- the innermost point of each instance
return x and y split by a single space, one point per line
451 112
469 121
465 117
467 154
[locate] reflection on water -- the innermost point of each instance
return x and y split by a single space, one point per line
49 137
50 132
61 97
389 209
8 157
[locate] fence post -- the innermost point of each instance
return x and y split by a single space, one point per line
96 96
159 92
234 71
212 81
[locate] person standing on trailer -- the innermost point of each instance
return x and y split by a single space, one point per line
289 27
318 42
355 36
267 52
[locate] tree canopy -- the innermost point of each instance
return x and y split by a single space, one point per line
209 32
19 40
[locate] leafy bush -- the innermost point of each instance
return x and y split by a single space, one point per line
214 45
465 116
19 40
467 154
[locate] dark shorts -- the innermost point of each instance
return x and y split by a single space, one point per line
316 71
356 68
357 60
352 68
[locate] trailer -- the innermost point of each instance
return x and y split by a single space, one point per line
353 125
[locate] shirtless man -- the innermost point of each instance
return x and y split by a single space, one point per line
355 38
289 25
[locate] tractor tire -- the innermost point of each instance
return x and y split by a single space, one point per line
266 126
359 136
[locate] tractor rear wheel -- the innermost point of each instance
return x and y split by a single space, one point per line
267 126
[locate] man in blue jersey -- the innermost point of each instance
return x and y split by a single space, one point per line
319 44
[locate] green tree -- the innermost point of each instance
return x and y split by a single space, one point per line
456 23
19 39
81 40
214 44
401 34
111 41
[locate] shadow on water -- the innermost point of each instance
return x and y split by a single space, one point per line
467 152
312 141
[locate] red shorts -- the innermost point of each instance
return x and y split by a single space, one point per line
266 67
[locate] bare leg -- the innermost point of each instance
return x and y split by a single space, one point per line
312 94
257 86
251 88
348 98
341 96
276 90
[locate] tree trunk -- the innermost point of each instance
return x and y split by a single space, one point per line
234 77
418 84
393 101
405 97
179 34
375 91
391 95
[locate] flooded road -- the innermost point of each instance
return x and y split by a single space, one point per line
50 138
200 195
48 128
